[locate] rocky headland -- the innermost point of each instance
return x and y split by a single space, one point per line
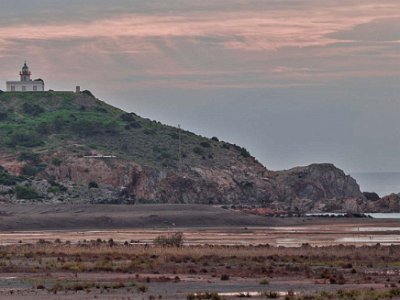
60 147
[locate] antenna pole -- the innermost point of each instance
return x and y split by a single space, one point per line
179 148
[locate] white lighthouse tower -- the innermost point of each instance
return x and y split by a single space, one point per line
26 84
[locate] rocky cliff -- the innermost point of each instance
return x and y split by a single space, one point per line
66 147
320 187
387 204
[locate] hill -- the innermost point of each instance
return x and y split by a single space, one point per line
63 147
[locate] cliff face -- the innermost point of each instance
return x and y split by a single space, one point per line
387 204
320 187
107 180
65 147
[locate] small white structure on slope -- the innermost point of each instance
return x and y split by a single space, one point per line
26 84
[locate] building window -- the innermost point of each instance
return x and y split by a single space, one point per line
23 88
34 88
12 88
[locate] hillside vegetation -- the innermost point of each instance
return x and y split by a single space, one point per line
44 121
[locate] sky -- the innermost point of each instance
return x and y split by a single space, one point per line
293 81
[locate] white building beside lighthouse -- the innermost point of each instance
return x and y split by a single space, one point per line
26 84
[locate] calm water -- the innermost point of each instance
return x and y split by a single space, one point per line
385 215
373 215
383 183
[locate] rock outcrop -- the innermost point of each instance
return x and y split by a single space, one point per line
372 196
319 188
387 204
315 188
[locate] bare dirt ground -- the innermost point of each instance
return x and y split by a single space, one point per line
107 252
99 217
68 217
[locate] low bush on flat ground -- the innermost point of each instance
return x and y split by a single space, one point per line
332 267
172 240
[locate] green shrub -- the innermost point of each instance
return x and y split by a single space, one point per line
32 109
25 139
93 185
131 120
30 170
244 152
199 151
111 128
135 124
157 149
58 124
86 127
148 131
3 116
43 128
174 240
101 109
53 189
56 161
59 187
28 156
205 144
174 135
7 179
272 295
128 117
225 277
142 288
226 146
26 192
165 155
88 93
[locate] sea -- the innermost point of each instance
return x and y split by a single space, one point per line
382 183
372 215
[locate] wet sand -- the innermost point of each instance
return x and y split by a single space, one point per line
315 235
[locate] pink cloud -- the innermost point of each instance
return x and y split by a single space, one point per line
244 30
263 46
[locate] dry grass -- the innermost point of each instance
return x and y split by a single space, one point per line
388 253
135 267
333 264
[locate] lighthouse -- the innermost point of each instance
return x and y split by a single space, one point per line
26 84
25 73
